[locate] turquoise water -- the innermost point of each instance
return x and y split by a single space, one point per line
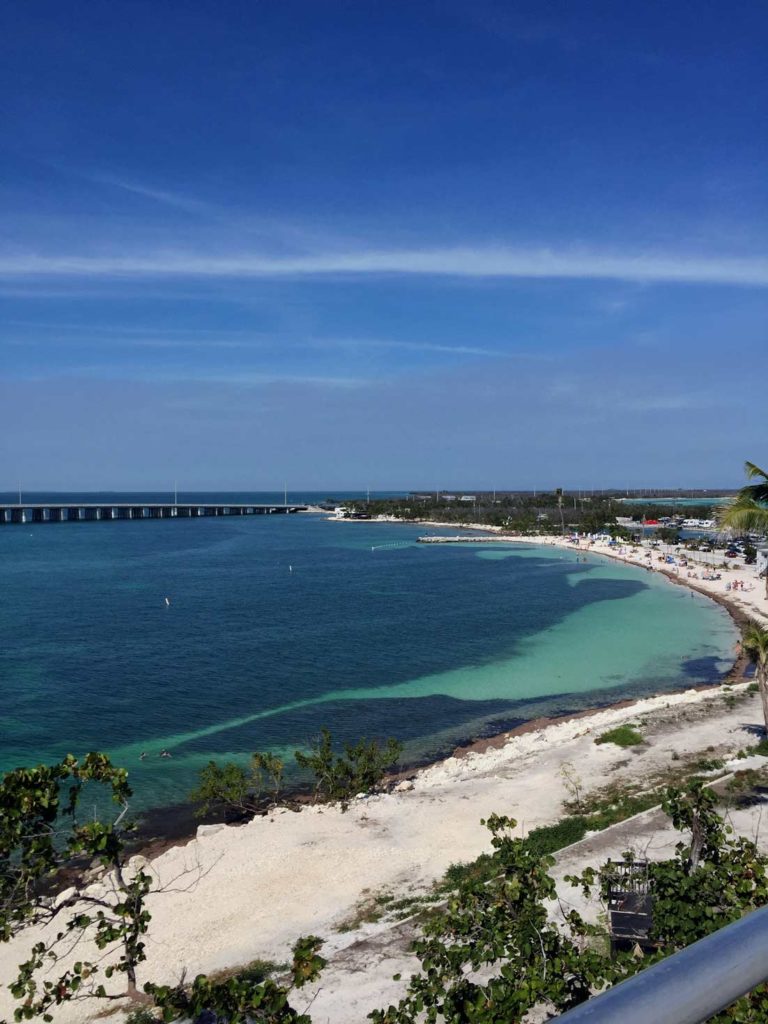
278 625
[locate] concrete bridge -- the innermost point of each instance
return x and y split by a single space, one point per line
89 513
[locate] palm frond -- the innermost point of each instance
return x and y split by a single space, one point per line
755 642
759 491
744 515
752 471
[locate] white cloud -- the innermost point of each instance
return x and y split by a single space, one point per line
174 199
456 262
408 346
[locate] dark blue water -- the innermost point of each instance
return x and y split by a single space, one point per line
278 625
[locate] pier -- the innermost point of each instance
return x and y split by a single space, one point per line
91 513
462 539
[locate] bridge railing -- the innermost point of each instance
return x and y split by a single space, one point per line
688 987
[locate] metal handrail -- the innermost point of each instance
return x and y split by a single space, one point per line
690 986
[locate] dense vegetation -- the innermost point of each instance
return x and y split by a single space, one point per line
359 769
235 788
622 736
529 513
489 956
335 777
496 926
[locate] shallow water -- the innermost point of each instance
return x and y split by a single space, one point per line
278 625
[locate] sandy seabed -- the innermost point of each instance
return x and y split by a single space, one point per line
236 893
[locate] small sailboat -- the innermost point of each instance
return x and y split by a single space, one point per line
167 602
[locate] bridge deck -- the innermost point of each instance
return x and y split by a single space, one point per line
94 512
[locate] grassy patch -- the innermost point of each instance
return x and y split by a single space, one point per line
708 764
625 806
481 870
256 971
409 905
622 736
142 1015
367 911
551 838
385 906
747 788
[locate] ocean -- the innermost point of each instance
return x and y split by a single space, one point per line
277 625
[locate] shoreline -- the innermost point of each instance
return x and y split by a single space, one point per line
254 888
552 540
257 885
152 841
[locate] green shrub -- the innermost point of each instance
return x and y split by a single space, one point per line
142 1015
485 867
227 785
358 770
622 736
259 970
272 766
232 786
625 807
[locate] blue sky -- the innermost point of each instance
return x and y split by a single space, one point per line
430 243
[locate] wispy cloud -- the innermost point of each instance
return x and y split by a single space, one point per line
681 402
129 331
176 200
407 346
213 338
454 262
237 378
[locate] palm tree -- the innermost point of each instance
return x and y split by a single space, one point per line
755 643
748 512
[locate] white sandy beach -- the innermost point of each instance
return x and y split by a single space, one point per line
751 600
244 892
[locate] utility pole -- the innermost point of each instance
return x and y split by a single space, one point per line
285 493
19 492
559 493
175 492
